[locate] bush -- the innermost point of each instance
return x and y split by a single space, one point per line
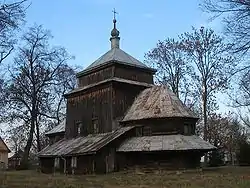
216 158
243 156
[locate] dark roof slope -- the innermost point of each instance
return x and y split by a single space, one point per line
157 102
60 128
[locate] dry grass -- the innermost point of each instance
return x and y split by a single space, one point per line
228 177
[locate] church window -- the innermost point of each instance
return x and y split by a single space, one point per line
57 162
74 162
147 131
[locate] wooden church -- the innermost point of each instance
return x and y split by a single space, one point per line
117 119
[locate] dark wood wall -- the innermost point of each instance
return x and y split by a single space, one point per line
53 138
47 165
96 76
123 95
161 159
104 104
118 71
164 126
132 73
91 106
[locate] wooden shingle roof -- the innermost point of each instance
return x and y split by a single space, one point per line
60 128
165 143
82 145
157 102
119 56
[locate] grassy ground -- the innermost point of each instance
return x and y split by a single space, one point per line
228 177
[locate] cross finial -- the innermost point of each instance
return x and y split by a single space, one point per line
114 13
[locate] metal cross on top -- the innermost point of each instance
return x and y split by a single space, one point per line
114 13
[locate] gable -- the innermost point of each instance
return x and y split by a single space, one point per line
3 146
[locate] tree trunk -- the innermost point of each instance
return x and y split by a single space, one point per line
38 137
204 114
25 157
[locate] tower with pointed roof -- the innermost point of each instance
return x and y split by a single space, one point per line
107 87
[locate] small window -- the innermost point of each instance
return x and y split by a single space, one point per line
147 131
138 131
57 162
79 128
74 162
185 129
95 126
134 77
188 129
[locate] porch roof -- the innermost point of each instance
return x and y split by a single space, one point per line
82 145
165 143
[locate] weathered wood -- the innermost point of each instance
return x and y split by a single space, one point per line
89 107
95 77
132 73
163 126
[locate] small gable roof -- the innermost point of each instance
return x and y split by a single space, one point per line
60 128
3 146
157 102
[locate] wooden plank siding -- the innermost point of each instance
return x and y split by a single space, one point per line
105 103
118 71
130 73
123 96
146 161
164 126
95 77
87 106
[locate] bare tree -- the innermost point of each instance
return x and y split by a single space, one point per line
168 57
212 66
17 136
38 70
226 133
11 16
236 19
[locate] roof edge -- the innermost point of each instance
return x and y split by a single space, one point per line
48 134
114 79
9 151
109 63
133 120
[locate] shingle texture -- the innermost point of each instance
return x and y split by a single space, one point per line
116 54
57 129
165 143
82 145
157 102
